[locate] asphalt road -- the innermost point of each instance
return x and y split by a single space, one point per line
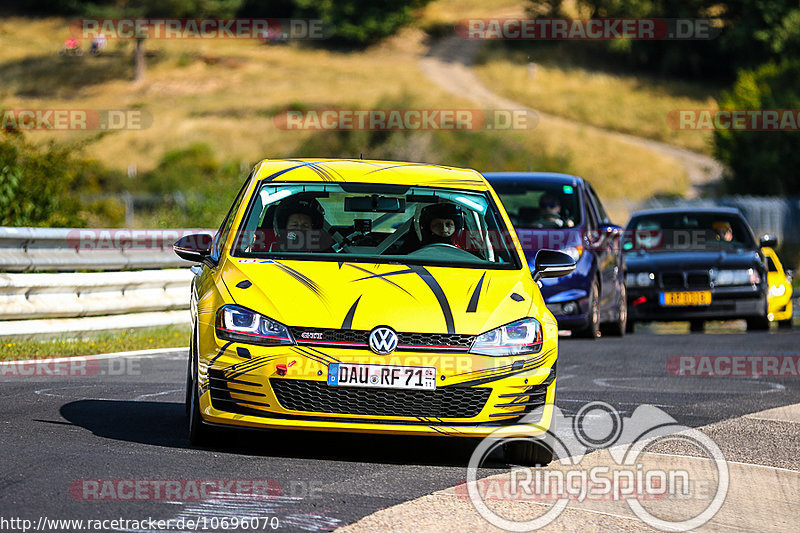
63 437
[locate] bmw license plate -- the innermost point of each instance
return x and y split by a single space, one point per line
686 298
382 376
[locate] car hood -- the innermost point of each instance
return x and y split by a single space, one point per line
691 260
361 296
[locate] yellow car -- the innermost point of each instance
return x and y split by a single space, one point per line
370 296
779 297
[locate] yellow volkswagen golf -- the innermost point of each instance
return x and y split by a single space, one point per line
370 296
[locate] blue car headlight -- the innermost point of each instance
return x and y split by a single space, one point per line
518 338
237 323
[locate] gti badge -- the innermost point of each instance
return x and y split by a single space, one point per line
383 340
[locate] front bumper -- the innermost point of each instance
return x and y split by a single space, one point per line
470 400
727 303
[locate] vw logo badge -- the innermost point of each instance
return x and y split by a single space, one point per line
383 340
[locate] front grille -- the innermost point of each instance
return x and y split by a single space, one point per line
686 280
318 396
698 280
672 280
360 338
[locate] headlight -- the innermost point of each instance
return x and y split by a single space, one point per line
777 290
236 323
575 252
639 279
518 338
735 277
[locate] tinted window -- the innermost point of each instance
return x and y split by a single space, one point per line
601 212
533 204
687 231
379 223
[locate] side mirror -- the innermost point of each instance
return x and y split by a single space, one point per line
552 264
195 247
768 240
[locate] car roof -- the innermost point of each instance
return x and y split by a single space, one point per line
541 177
689 210
368 171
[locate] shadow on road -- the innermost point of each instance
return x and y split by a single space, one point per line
164 424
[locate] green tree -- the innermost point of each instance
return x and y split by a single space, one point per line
360 22
762 162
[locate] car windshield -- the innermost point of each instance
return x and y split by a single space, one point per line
686 231
533 204
376 223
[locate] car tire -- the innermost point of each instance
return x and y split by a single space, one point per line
697 326
619 327
531 452
592 330
757 323
199 433
629 326
785 324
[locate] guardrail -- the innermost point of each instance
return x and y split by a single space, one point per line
131 283
66 249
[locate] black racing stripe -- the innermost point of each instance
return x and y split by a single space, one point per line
383 277
243 372
323 354
319 357
501 376
330 172
434 286
250 363
348 319
285 170
302 278
473 302
221 351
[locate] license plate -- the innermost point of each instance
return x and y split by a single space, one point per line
382 376
686 298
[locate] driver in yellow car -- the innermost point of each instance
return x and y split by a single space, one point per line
440 222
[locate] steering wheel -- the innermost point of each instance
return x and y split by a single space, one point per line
440 244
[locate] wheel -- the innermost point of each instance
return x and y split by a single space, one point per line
696 326
785 324
592 330
532 452
199 433
757 323
629 326
620 326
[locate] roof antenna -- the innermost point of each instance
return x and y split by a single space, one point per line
362 155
